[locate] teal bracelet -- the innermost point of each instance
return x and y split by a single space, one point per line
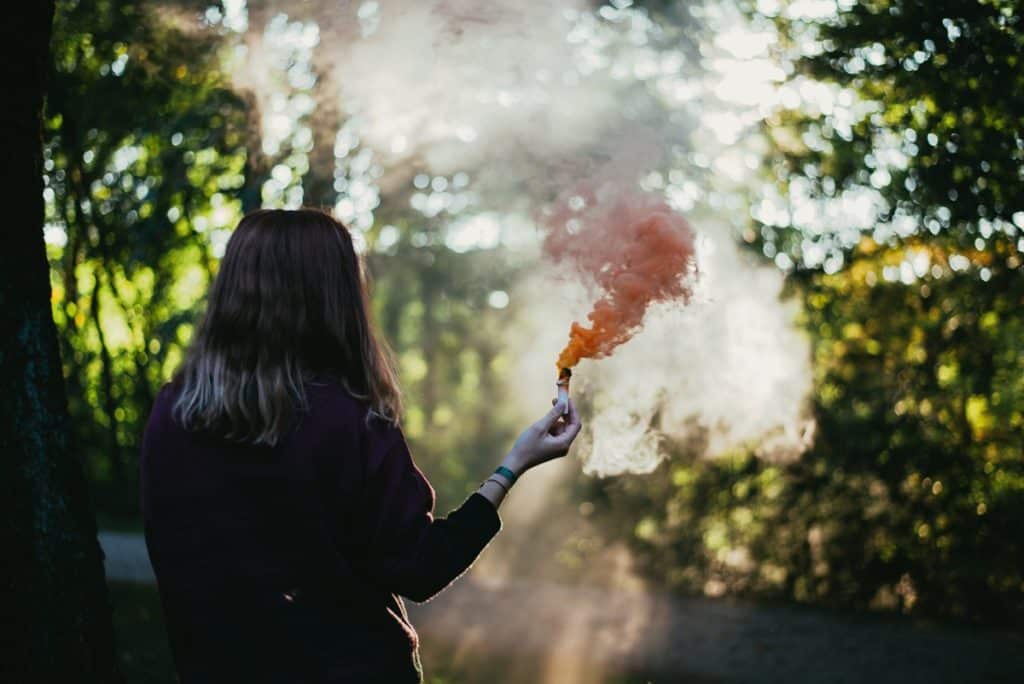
505 472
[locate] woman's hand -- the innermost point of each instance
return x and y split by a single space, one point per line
547 439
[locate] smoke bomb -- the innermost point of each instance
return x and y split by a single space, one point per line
562 388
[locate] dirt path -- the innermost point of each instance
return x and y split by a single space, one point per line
583 635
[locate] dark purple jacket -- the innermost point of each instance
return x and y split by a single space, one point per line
286 564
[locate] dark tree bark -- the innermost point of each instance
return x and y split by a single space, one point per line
56 612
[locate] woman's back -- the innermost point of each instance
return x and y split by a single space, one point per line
266 556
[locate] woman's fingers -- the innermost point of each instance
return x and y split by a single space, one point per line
551 417
567 407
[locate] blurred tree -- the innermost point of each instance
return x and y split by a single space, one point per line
432 303
920 378
144 163
150 160
924 118
56 610
911 494
908 500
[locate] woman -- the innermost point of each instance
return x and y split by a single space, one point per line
283 513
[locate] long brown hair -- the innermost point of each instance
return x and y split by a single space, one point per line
287 306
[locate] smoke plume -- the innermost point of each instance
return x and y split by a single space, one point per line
469 116
634 247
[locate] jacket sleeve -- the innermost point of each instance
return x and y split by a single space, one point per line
410 552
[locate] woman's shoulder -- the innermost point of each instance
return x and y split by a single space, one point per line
332 407
161 424
346 423
330 400
163 403
328 397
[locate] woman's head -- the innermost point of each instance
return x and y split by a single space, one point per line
287 305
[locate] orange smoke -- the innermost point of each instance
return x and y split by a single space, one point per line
638 251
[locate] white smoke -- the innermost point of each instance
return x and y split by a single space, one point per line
523 95
729 369
459 84
488 109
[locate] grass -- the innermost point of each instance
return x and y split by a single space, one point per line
118 523
142 647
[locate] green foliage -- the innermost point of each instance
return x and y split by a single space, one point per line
933 120
911 495
431 304
920 393
143 651
917 341
142 167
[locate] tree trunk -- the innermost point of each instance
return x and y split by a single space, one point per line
318 183
55 599
256 170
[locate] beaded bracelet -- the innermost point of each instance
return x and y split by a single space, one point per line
497 482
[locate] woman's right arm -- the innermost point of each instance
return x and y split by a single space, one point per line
406 549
